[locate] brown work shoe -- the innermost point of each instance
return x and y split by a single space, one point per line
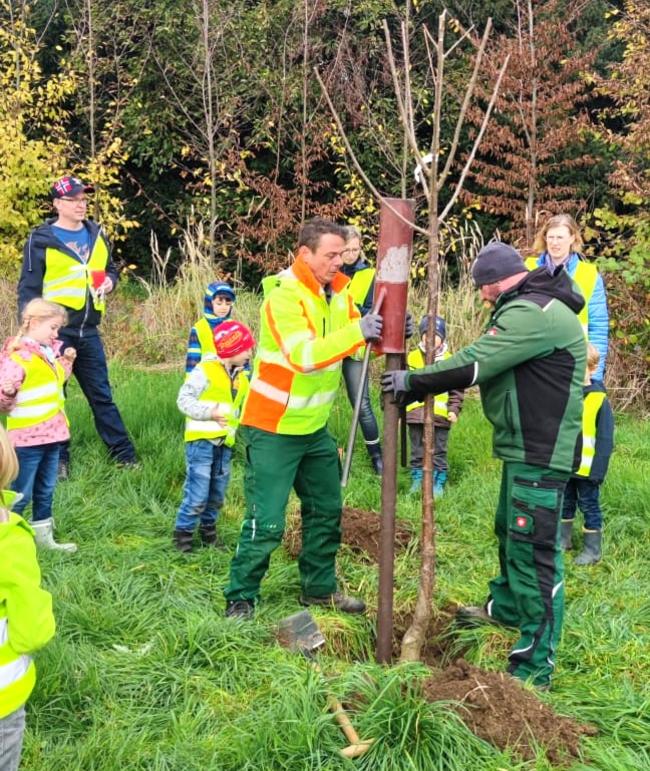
336 600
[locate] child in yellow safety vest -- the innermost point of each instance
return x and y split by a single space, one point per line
446 409
211 399
583 489
217 307
26 620
32 375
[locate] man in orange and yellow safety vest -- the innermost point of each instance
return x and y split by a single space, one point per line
309 324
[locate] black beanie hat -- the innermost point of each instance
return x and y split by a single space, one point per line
496 261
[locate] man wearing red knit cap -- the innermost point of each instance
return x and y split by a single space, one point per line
211 399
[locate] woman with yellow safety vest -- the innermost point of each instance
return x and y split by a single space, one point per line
26 619
361 287
559 243
32 375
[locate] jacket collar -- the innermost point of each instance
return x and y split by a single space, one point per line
304 274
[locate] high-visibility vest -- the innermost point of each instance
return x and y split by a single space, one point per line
67 280
17 670
360 283
415 360
219 391
592 403
40 396
206 337
585 276
303 340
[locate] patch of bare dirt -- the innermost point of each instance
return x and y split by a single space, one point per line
359 532
497 708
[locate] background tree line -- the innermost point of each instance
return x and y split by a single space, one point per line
206 112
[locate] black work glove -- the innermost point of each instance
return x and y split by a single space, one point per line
394 384
409 327
371 325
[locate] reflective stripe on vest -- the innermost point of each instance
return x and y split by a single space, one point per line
40 396
67 280
360 284
585 276
441 401
206 337
17 672
593 401
218 391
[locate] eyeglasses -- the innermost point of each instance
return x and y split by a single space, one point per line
82 201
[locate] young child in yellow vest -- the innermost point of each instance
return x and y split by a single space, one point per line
211 399
217 307
446 409
32 375
583 489
26 620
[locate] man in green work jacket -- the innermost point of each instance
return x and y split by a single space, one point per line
529 365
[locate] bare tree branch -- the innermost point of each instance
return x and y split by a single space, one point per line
477 142
353 156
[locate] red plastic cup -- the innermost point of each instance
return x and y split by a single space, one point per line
97 277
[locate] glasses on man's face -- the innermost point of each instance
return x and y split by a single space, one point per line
82 201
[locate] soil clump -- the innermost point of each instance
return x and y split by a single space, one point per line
497 708
359 532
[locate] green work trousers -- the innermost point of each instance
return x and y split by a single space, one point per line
274 464
529 592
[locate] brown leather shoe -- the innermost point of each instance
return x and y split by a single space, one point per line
336 600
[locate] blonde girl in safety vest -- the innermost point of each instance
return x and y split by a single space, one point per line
559 243
32 376
26 620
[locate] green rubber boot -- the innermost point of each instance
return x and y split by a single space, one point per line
592 548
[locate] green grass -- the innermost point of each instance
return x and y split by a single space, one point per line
145 673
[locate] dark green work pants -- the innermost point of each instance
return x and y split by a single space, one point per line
529 593
274 464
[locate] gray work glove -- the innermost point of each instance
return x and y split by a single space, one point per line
371 325
394 384
409 327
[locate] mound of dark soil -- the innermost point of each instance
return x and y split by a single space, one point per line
360 532
497 708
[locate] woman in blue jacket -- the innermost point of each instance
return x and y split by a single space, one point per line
560 243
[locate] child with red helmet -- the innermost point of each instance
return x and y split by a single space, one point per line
211 398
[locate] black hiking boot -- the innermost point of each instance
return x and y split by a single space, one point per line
337 601
183 540
208 535
242 609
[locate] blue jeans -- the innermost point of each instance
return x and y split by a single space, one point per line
207 473
12 728
92 375
367 420
36 480
583 493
